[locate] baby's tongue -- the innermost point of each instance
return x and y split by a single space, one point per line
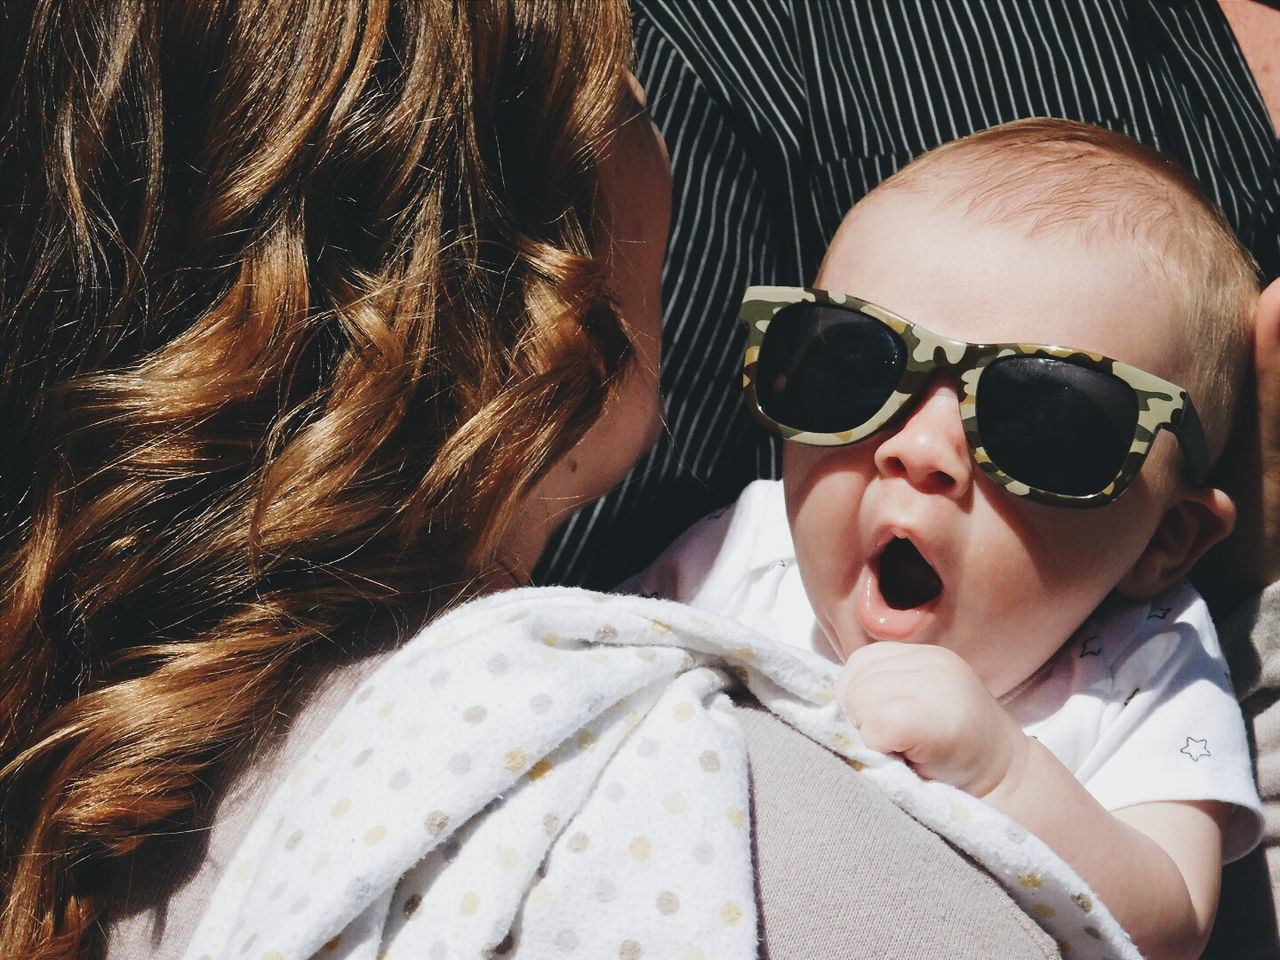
906 579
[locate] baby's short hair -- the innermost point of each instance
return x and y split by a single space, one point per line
1053 175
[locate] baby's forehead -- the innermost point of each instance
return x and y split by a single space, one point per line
1166 285
967 277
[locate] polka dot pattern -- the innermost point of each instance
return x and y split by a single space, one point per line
579 767
641 848
567 941
540 769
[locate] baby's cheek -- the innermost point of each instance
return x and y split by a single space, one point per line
824 489
822 522
820 564
799 473
1088 553
1042 582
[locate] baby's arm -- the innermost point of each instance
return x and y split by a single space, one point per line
1157 866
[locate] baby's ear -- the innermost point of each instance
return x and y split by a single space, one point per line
1194 522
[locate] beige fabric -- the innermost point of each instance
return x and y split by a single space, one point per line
162 892
838 863
842 872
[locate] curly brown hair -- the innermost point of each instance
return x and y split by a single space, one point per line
297 299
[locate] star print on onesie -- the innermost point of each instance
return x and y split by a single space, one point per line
1116 706
1196 749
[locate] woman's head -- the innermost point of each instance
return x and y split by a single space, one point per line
301 301
363 232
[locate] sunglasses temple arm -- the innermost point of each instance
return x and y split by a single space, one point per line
1195 449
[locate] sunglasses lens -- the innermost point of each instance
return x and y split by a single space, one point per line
826 369
1054 425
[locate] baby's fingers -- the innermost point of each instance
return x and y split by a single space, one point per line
871 659
897 725
885 698
881 651
909 701
896 655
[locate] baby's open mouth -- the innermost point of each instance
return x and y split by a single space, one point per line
906 579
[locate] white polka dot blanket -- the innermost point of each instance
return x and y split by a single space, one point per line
553 772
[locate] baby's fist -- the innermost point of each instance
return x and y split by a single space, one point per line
926 704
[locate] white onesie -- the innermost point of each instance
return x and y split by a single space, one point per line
1137 703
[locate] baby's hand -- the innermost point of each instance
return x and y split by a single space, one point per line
927 704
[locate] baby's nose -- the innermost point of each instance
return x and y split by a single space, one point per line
928 449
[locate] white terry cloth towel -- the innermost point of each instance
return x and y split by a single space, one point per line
549 772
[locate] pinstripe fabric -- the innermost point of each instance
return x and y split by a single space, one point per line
780 115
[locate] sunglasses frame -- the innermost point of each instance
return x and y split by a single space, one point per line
1161 405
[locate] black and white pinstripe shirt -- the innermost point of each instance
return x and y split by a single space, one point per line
780 115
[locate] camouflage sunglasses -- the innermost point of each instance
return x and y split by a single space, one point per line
1058 425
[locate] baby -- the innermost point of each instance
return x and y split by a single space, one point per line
995 484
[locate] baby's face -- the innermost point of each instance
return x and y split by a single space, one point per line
1007 579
